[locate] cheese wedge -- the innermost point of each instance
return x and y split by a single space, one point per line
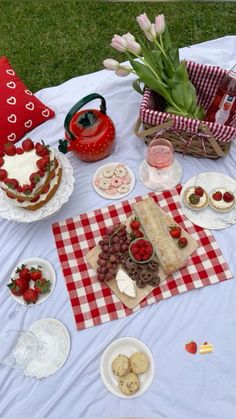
206 348
125 283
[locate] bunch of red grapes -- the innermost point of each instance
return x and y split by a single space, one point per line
114 244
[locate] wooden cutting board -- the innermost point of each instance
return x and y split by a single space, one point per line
141 293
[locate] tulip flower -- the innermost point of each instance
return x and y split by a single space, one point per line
119 43
158 67
111 64
123 71
128 37
151 34
160 24
144 22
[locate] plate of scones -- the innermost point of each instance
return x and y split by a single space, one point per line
127 367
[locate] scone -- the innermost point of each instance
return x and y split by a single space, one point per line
221 199
121 365
139 363
129 384
196 198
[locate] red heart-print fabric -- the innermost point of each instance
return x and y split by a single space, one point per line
20 110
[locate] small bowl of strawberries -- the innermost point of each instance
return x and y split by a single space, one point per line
141 250
32 281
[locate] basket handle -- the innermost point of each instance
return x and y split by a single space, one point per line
213 141
150 131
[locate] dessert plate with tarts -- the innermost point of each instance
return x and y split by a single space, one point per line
210 213
113 180
126 346
10 211
47 272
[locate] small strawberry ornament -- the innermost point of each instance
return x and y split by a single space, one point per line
191 347
27 145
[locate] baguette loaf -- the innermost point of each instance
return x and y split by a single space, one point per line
155 228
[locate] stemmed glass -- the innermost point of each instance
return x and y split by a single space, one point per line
160 171
18 348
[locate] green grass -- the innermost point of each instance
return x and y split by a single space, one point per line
51 41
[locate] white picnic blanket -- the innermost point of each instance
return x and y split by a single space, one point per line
185 386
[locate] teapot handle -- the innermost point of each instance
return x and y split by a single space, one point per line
79 105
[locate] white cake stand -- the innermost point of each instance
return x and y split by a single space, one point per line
11 212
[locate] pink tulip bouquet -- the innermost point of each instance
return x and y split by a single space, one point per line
156 64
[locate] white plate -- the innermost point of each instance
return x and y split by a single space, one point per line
54 348
208 217
48 273
112 166
125 346
11 212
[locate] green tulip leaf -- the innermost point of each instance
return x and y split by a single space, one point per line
166 38
150 79
181 74
137 87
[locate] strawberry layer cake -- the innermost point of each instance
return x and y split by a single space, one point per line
30 174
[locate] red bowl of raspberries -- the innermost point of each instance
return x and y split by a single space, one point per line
141 250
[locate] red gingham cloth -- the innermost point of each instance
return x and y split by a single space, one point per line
93 302
206 80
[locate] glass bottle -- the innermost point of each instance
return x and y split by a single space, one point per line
222 110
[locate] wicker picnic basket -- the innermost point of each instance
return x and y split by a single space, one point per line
188 136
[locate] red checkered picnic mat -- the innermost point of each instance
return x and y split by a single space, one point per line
93 302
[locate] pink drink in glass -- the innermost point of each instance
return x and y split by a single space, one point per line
160 153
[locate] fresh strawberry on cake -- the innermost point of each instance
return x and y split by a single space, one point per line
30 174
221 199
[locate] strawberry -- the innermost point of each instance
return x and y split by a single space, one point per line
27 144
42 163
27 189
199 191
137 234
40 173
35 274
34 178
135 224
24 272
2 154
194 199
18 286
42 286
175 232
30 296
3 174
10 149
41 150
228 197
217 196
191 347
11 183
46 189
19 189
19 150
35 199
1 161
182 242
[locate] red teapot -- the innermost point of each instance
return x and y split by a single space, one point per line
89 133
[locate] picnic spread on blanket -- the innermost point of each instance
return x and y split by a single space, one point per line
143 229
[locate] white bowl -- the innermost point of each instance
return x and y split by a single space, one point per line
125 346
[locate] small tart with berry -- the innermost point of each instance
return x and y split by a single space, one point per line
196 198
221 199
